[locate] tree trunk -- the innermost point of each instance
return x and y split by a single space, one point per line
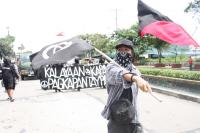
159 55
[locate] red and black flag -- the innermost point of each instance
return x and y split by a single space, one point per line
154 23
60 34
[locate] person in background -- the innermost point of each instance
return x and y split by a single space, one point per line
190 61
76 61
9 73
76 64
123 83
58 68
101 60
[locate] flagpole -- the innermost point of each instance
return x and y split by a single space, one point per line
107 57
111 60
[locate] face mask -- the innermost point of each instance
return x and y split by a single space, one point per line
123 59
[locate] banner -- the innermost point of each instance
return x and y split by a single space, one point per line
72 77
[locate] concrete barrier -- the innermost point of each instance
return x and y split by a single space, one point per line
182 88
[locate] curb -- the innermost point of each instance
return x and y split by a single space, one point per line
177 94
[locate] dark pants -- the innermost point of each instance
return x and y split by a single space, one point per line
190 67
9 83
114 127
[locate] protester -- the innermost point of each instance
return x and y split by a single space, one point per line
190 61
123 84
101 60
9 73
76 61
58 68
76 64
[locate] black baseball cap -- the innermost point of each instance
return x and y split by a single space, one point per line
124 42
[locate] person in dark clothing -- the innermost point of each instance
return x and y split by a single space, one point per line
101 60
76 61
123 83
58 68
76 64
8 76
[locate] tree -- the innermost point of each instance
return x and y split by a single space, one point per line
158 44
194 7
100 41
178 51
6 48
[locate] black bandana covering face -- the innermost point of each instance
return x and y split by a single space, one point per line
123 59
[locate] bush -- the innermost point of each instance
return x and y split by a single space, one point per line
197 60
179 59
183 74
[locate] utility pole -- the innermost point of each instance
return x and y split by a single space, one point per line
116 15
8 30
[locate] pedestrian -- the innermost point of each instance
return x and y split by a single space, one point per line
76 61
9 73
190 61
101 60
76 65
123 84
58 68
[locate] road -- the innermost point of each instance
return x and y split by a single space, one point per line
39 111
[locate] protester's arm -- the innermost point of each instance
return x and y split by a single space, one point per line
114 75
142 84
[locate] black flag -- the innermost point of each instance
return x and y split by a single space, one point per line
60 52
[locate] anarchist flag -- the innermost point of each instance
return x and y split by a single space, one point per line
60 52
154 23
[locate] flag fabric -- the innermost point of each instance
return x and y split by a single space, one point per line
21 47
32 56
60 34
60 52
154 23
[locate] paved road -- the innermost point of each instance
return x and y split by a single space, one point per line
38 111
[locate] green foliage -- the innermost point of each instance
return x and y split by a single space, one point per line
160 45
178 52
101 42
197 59
183 74
194 8
179 59
6 46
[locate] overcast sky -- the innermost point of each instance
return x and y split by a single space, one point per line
35 23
